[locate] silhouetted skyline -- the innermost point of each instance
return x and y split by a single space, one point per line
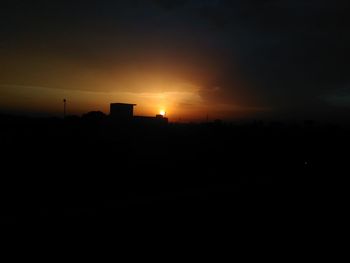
189 58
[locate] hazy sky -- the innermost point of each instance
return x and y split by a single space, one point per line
224 58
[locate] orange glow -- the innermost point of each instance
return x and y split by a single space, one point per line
28 85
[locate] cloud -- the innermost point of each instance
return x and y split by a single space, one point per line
338 97
170 4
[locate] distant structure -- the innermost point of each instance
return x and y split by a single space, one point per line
64 108
148 120
94 116
122 111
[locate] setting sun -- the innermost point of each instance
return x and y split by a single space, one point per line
162 112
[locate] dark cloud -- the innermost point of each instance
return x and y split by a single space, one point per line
170 4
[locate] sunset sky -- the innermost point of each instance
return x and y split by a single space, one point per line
225 58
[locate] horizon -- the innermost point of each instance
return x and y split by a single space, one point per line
227 59
288 120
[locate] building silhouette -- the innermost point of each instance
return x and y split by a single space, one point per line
124 112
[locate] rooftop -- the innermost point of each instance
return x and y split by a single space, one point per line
129 104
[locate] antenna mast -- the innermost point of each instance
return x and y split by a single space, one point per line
64 108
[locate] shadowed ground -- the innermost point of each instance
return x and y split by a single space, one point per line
96 170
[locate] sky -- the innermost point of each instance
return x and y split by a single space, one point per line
224 59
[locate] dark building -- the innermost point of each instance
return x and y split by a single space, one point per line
122 111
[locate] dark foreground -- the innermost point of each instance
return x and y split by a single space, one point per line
92 170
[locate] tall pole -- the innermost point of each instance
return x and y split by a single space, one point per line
64 108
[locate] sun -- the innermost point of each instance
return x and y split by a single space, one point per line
162 112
